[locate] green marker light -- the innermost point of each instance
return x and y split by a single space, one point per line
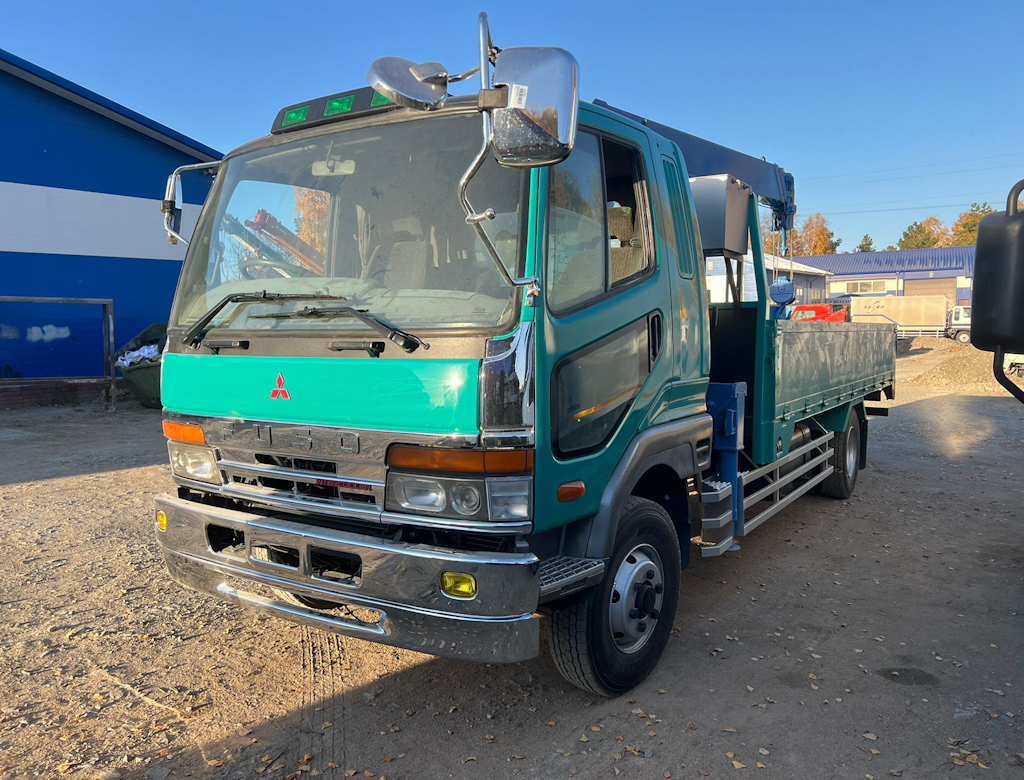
341 105
295 116
379 100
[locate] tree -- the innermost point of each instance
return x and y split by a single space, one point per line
935 226
925 234
866 244
815 237
916 236
311 217
965 229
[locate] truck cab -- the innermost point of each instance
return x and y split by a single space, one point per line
426 424
958 324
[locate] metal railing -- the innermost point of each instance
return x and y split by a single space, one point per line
110 371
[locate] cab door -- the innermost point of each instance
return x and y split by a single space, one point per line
602 316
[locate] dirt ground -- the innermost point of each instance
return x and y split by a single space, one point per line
872 638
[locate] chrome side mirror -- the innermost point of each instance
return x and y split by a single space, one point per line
538 126
170 207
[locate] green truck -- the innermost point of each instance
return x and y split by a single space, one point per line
400 418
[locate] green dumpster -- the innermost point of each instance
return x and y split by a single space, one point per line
139 364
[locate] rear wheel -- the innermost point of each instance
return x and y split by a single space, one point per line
963 337
611 637
845 462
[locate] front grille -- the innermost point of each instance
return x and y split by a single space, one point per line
320 484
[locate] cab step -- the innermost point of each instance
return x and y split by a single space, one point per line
563 574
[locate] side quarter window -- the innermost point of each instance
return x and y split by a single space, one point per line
591 398
678 220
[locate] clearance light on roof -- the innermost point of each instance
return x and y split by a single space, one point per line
330 109
295 115
340 105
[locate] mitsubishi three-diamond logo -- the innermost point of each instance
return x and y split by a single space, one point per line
279 391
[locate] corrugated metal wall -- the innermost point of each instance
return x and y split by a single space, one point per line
945 287
79 217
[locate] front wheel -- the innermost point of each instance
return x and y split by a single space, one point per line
963 337
611 638
845 462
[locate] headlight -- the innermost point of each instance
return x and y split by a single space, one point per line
461 498
419 495
196 463
466 498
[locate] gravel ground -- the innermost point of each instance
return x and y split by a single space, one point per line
872 638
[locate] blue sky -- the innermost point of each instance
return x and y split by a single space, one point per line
885 112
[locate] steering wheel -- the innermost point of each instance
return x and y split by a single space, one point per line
249 265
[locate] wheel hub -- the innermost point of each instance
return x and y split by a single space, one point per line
638 591
851 456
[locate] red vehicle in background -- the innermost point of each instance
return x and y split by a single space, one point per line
822 312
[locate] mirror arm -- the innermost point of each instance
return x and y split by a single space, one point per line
1000 374
464 75
169 205
474 218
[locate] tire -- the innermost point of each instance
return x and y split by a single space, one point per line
964 337
597 641
845 462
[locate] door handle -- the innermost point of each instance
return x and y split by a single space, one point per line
655 337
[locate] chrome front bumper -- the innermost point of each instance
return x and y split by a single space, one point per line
398 582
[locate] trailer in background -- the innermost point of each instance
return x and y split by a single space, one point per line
913 315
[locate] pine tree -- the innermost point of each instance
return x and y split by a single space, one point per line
866 244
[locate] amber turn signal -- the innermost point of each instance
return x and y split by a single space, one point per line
187 432
570 491
461 461
161 519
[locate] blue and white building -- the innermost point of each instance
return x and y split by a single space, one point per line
945 271
81 179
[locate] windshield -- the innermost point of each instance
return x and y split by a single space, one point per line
370 214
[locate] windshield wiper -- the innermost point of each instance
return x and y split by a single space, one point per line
194 335
406 341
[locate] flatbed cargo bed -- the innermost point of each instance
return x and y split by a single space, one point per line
819 365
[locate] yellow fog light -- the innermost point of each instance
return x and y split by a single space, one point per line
458 585
161 519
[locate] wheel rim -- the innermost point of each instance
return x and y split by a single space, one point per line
638 592
851 453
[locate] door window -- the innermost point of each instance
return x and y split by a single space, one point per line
600 231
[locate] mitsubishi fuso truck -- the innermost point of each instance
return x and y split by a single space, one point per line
443 369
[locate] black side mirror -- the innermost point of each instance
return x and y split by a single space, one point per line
998 300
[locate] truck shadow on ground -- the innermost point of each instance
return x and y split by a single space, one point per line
52 443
